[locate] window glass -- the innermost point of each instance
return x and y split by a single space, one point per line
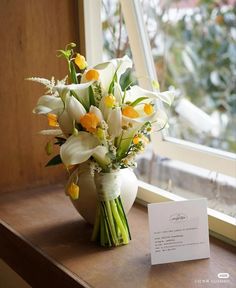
194 49
188 181
115 37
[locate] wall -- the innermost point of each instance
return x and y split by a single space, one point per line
30 32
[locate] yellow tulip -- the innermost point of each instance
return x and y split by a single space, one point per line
52 120
92 74
148 109
73 191
130 112
80 61
89 121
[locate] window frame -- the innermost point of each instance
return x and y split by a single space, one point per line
221 226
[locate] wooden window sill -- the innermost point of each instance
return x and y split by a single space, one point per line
43 238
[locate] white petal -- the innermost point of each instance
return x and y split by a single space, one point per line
108 69
104 109
100 155
62 90
160 120
122 64
39 109
75 109
53 132
79 148
97 112
142 119
166 96
114 122
78 87
136 92
81 92
66 123
47 103
105 76
118 93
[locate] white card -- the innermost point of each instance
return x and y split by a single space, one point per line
178 231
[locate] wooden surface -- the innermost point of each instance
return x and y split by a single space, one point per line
49 222
31 32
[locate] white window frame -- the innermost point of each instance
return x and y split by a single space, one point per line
221 225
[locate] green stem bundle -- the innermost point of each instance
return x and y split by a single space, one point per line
111 227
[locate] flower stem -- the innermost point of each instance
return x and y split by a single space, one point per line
111 226
111 222
119 222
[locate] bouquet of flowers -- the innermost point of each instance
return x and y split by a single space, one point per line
94 120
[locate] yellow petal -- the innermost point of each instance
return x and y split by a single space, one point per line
90 122
110 101
73 191
49 148
52 120
80 61
148 109
92 74
136 140
130 112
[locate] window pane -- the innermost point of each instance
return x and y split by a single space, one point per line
188 181
115 38
194 49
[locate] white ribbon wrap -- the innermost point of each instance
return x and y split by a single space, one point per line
108 185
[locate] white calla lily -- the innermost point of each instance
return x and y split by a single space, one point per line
136 92
166 96
65 123
75 109
142 118
114 122
97 112
104 109
100 155
62 90
118 93
51 132
121 65
160 121
80 90
48 103
106 73
108 69
159 117
78 149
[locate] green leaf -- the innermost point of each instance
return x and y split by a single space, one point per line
54 161
64 53
137 101
111 87
49 148
91 96
73 76
70 46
